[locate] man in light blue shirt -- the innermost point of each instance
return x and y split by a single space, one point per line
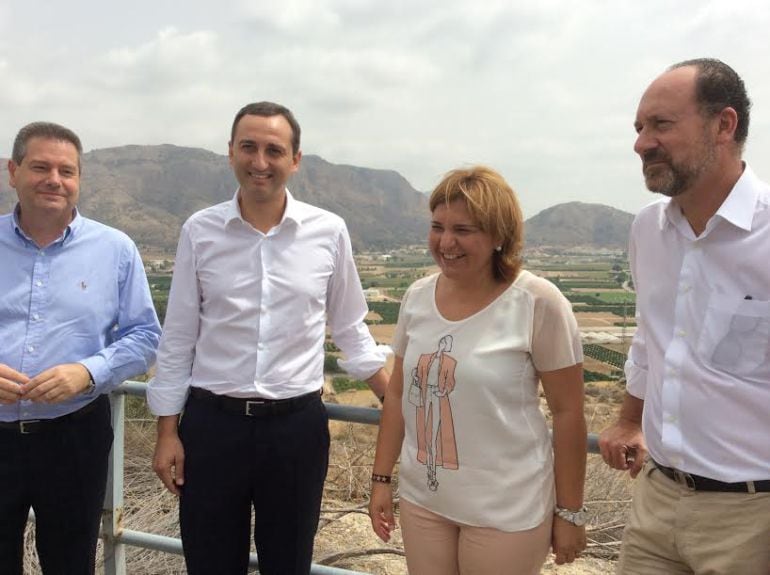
76 319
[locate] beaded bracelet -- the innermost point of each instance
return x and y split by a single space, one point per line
381 478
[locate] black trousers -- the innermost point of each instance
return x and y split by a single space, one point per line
61 472
275 463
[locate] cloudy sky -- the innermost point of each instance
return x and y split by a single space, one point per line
545 91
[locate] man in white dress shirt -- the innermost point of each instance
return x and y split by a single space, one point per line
255 281
694 427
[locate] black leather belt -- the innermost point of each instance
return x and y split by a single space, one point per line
254 407
29 426
698 483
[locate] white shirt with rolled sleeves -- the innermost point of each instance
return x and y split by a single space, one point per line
247 311
700 359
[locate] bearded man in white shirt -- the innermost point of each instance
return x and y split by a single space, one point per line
694 427
255 280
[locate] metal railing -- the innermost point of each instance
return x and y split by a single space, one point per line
116 537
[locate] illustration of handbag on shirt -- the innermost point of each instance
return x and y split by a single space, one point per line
415 394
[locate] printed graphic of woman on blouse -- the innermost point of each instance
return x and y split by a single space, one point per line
435 428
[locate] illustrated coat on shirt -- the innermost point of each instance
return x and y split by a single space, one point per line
446 449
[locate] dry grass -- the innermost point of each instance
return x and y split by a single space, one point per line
345 538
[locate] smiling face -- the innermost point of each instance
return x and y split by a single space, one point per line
262 159
47 181
675 141
458 245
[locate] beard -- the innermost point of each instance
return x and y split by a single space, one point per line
670 178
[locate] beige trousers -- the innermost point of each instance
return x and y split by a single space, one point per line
436 545
672 530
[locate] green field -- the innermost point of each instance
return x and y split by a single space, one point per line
614 297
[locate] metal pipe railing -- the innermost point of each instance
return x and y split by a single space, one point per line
116 537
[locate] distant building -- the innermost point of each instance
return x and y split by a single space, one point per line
373 294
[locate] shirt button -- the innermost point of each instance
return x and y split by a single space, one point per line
670 419
30 348
681 333
35 316
38 283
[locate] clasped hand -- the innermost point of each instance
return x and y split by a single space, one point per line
54 385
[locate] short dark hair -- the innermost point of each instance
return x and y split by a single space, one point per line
718 86
47 130
267 109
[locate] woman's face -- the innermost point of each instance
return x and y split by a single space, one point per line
458 245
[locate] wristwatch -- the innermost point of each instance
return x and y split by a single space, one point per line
579 517
91 384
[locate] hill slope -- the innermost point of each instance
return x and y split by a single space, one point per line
148 192
579 224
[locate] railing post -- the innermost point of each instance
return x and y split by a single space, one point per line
112 517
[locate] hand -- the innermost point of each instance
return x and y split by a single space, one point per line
622 446
168 461
567 540
57 384
11 382
381 510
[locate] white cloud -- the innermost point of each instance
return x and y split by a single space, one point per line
543 91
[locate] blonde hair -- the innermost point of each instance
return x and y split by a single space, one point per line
494 207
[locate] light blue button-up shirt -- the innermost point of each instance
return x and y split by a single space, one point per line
84 299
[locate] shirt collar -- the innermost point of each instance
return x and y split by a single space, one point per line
669 215
233 209
738 208
72 227
293 211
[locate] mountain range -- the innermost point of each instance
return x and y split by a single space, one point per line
148 192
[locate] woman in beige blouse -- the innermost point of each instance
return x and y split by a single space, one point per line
483 489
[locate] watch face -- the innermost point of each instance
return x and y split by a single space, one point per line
578 518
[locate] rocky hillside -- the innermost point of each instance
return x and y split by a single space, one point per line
579 224
148 191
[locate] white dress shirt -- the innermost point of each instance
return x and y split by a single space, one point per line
700 359
247 311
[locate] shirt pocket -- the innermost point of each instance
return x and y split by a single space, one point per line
735 337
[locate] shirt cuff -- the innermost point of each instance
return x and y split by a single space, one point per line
636 379
166 399
100 372
365 366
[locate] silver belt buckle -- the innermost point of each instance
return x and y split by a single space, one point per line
251 403
23 426
684 479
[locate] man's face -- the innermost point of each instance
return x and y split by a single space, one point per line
261 157
47 181
675 142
